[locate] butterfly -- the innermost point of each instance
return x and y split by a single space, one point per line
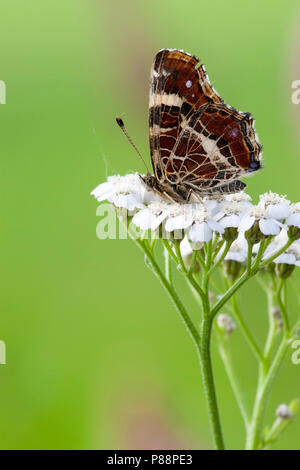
199 145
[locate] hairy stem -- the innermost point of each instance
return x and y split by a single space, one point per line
209 383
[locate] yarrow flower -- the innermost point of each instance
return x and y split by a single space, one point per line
294 218
290 256
194 217
231 209
268 214
124 191
240 198
203 225
153 215
226 215
293 222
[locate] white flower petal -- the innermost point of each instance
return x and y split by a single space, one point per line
286 258
220 214
102 189
178 222
232 220
128 201
143 219
185 247
150 196
158 220
294 220
269 227
246 222
200 232
277 211
239 256
211 204
215 226
280 224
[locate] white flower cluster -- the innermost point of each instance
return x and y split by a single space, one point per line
273 215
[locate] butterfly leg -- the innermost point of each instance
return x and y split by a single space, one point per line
167 196
192 195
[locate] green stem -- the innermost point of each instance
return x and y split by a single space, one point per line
249 257
185 271
227 360
200 259
193 263
169 249
282 308
255 265
267 370
272 326
168 270
264 385
275 255
244 277
222 257
208 382
229 293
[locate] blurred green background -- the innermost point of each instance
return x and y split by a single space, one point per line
96 355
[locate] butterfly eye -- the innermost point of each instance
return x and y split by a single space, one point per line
254 166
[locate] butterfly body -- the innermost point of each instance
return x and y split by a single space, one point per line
199 145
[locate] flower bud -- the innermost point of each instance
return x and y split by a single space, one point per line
254 234
284 270
294 232
270 268
230 234
283 412
226 323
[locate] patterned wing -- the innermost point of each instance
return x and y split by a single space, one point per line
217 146
177 89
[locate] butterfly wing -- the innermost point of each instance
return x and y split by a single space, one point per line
177 90
217 146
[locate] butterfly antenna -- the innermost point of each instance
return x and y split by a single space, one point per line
121 124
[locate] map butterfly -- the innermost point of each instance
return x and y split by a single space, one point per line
199 145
